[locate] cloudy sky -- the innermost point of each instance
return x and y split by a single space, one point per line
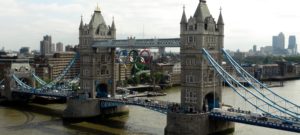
248 22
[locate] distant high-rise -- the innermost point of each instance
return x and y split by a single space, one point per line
281 41
254 48
292 45
24 50
69 48
278 44
59 47
46 45
52 47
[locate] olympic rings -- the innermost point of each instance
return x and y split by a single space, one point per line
134 57
148 58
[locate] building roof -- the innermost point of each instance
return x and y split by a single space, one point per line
97 19
202 11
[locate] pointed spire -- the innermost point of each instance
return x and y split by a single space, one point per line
183 18
113 27
97 8
220 20
81 23
198 14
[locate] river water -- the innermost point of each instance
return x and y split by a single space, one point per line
36 119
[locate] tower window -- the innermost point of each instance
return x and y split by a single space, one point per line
103 70
191 27
102 58
190 39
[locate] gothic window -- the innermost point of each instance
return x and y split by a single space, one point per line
86 59
98 72
190 39
103 70
85 72
190 96
98 31
195 26
86 85
102 58
190 78
108 58
191 27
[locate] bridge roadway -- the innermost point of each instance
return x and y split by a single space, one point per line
62 93
155 105
239 116
138 43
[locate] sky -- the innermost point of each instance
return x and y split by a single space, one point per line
247 22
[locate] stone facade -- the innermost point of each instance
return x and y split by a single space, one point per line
97 64
197 77
201 90
23 71
195 124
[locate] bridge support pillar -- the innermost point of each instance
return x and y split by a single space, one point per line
195 124
82 108
86 108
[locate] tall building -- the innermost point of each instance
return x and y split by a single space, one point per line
279 44
201 89
292 45
49 68
281 41
96 67
24 50
52 48
46 45
254 48
200 31
69 48
59 47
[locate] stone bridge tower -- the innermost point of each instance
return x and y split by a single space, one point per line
96 64
201 89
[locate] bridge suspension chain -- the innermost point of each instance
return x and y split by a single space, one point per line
2 81
39 80
228 78
249 79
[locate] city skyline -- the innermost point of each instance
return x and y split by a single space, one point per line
24 23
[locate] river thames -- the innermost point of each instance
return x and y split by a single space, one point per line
44 119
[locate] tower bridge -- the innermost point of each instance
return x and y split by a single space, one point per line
200 111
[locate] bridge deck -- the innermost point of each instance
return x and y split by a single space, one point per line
256 122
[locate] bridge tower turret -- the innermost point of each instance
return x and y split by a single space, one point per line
96 64
200 88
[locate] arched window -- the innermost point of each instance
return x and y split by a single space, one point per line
103 70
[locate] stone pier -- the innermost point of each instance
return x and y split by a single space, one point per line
195 124
87 108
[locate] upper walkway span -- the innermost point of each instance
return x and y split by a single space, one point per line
138 43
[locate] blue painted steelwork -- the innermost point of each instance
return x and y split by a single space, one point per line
228 78
256 122
39 80
55 81
246 75
138 43
49 89
1 81
158 106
